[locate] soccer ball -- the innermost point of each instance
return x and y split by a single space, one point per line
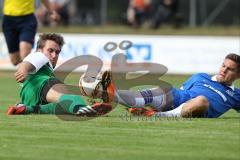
98 87
90 86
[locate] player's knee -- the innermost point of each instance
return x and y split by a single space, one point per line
15 58
203 102
15 61
197 108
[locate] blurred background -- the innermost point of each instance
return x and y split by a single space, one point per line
178 12
189 12
187 36
185 12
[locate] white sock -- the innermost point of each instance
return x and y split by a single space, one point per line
158 102
139 102
129 98
172 113
154 97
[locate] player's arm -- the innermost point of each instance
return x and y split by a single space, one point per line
23 70
30 65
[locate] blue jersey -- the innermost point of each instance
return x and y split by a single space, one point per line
221 97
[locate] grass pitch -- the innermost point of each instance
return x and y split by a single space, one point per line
116 136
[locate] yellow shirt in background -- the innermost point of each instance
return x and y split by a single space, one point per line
18 7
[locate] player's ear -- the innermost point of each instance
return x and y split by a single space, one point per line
238 74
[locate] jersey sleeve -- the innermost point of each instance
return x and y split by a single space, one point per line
37 59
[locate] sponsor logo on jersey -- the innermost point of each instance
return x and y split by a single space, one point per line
230 93
217 91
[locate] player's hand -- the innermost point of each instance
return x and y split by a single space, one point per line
21 74
54 16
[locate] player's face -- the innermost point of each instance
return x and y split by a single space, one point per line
228 72
51 50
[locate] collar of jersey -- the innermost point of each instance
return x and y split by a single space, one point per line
214 78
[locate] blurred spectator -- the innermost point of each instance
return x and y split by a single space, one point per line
165 11
137 12
60 6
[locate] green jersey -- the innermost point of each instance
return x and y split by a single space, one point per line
32 87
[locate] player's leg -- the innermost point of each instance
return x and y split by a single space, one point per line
71 104
196 107
12 39
27 29
145 102
15 58
156 98
55 96
34 95
54 91
58 93
24 49
40 109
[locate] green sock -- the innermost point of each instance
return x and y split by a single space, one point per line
71 103
47 108
29 110
68 103
42 109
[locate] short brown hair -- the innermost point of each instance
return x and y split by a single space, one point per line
49 36
234 57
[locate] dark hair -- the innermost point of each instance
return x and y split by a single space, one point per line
234 57
49 36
